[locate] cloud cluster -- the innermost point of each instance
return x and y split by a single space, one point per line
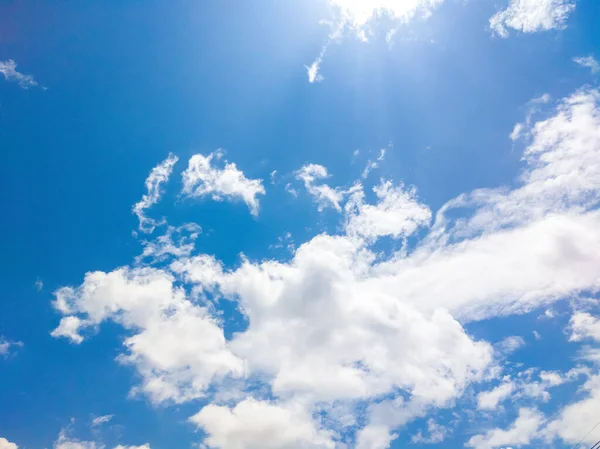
342 345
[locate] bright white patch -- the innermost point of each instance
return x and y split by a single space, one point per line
529 16
158 176
201 178
9 70
357 15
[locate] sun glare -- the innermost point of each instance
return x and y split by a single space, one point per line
359 12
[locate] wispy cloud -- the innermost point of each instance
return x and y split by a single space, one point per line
9 70
7 346
101 420
157 177
589 62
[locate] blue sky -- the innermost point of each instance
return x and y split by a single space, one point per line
318 224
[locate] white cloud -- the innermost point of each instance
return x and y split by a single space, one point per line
397 212
177 346
489 400
101 420
584 326
157 177
253 424
65 441
9 70
324 195
529 16
437 433
69 327
510 344
323 327
201 179
521 432
575 423
6 346
175 242
143 446
531 383
5 444
516 132
372 165
39 285
589 62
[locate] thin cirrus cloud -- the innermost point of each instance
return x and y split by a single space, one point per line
510 251
8 68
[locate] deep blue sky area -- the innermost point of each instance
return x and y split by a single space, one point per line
123 84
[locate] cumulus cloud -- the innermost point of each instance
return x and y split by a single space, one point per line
176 345
521 432
9 70
529 16
5 444
318 354
588 62
253 424
397 212
584 326
158 176
202 178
